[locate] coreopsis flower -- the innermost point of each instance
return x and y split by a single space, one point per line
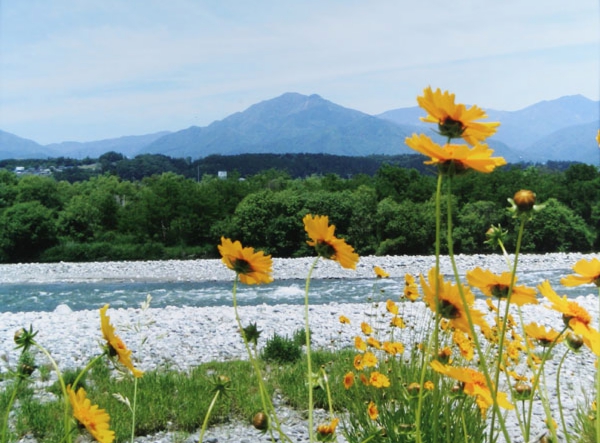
372 411
116 347
391 307
429 385
455 120
348 380
393 348
588 272
464 343
344 320
455 158
523 203
359 343
445 355
325 432
378 380
542 336
326 243
397 322
380 273
411 290
358 362
474 384
448 304
598 138
366 328
95 420
251 267
369 360
494 285
373 342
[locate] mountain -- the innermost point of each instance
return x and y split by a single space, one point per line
290 123
128 146
563 129
12 146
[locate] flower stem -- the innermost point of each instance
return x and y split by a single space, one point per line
8 407
133 408
311 431
207 416
560 408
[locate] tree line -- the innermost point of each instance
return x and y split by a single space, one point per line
391 211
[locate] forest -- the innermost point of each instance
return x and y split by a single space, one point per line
127 210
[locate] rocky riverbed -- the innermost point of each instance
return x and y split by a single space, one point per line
181 338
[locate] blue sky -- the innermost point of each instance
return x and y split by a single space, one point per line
86 70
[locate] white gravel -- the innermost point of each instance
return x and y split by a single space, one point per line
182 338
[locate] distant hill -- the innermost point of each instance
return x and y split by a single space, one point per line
291 123
556 130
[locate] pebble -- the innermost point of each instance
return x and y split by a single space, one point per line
181 338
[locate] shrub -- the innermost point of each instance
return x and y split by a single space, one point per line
281 349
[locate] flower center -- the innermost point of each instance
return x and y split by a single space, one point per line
500 291
451 128
324 249
241 266
448 310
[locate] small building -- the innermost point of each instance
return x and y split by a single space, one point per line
222 175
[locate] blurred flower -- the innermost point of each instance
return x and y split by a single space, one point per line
455 158
588 270
455 120
495 236
397 322
251 267
116 347
391 307
344 319
393 348
464 343
358 362
372 411
369 360
411 290
447 302
95 420
24 338
374 343
574 341
380 273
326 431
445 355
378 380
359 343
429 385
541 335
326 244
572 311
348 380
474 384
494 285
366 328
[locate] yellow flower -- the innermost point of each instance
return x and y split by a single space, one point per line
391 307
474 384
369 360
459 157
372 411
463 341
359 343
380 273
326 243
393 348
366 328
397 322
572 311
115 344
455 120
251 267
541 335
95 420
327 430
494 285
429 385
348 380
448 303
378 380
598 138
411 290
589 272
374 343
358 362
344 320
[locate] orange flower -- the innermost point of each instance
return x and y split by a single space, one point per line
494 285
391 307
474 384
393 348
372 411
460 157
344 319
464 343
411 290
455 120
378 380
348 380
359 343
95 420
588 270
369 360
374 343
251 267
541 335
397 322
380 273
358 362
116 347
327 430
326 243
366 328
447 302
572 311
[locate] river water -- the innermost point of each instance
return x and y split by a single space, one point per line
91 295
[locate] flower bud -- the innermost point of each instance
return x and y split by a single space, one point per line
524 199
523 391
260 421
574 341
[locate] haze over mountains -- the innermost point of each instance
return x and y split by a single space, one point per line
563 129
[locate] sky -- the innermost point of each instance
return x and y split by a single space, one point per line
84 70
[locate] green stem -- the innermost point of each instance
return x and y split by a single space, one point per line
61 381
8 408
134 407
598 382
207 416
311 431
86 369
474 335
560 408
